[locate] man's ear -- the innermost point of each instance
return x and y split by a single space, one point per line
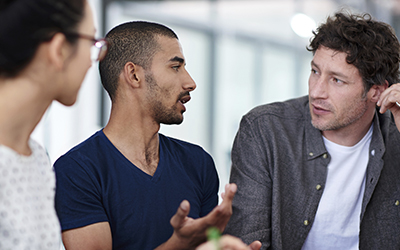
133 74
58 50
377 90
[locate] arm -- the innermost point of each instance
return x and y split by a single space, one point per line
251 219
79 208
388 100
188 232
92 237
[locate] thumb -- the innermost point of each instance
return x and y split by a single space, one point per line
179 217
255 245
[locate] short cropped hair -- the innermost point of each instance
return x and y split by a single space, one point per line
371 46
130 42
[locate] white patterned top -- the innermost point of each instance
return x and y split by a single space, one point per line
27 187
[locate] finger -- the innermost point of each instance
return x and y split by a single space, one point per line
230 191
181 214
226 204
383 96
387 92
221 214
390 101
255 245
388 98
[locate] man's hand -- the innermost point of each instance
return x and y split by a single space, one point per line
189 233
388 100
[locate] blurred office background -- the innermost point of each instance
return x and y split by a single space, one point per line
241 53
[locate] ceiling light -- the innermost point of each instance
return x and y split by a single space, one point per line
303 25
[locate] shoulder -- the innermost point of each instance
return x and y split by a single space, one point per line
92 143
290 109
180 145
185 152
278 114
92 149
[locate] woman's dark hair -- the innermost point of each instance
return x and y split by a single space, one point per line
371 46
24 24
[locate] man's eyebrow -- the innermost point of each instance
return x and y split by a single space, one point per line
339 74
314 64
177 59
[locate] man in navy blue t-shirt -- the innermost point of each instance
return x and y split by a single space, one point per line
120 188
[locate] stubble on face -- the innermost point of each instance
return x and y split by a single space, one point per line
344 115
155 95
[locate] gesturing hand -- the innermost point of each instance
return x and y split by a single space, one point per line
189 232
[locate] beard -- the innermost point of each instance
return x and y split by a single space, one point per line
354 111
160 112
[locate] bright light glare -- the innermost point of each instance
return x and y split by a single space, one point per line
303 25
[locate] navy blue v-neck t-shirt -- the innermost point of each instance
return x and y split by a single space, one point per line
96 183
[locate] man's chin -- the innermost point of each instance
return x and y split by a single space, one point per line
173 121
319 126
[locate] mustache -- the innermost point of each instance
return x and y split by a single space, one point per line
182 94
320 103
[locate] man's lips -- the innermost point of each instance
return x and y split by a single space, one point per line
185 99
319 110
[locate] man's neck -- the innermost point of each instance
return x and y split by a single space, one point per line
137 140
350 135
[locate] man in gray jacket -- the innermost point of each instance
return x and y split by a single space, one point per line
322 171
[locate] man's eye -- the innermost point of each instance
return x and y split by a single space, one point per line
338 80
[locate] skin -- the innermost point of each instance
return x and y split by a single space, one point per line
388 100
145 99
78 62
166 98
55 73
141 106
339 106
228 242
188 232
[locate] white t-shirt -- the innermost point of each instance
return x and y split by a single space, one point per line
28 219
337 222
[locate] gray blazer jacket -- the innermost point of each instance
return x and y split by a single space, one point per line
279 163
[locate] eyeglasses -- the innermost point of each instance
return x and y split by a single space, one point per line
99 48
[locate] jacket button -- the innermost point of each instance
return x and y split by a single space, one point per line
306 223
318 187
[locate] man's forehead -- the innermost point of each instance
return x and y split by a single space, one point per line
170 50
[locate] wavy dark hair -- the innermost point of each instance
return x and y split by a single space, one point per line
24 24
371 46
130 42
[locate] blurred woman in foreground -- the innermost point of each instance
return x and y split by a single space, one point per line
45 52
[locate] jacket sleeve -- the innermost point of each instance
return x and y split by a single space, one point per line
251 218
